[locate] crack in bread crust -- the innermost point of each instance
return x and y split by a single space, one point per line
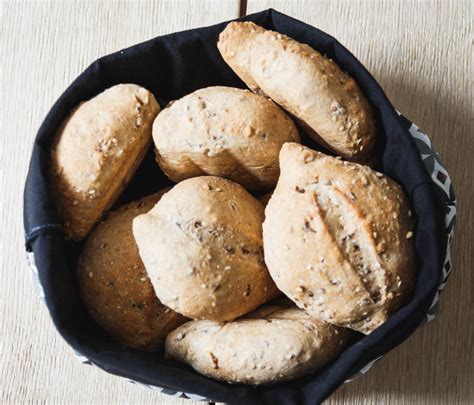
351 236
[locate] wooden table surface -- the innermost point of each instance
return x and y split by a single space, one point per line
420 51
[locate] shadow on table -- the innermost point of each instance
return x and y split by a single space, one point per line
435 364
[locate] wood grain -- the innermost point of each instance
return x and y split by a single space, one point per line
420 51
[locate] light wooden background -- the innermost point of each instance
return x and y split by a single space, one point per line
421 53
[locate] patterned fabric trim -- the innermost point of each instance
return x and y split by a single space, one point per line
440 177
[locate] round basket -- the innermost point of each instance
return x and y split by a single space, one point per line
172 66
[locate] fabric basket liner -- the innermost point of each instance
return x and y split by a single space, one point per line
172 66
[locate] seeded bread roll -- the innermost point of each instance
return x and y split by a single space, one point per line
203 250
338 239
96 152
327 101
114 285
225 132
271 345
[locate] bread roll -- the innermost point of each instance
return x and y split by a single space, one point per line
96 152
338 239
114 285
327 101
203 250
225 132
271 345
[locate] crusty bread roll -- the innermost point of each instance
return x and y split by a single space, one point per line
96 152
225 132
271 345
114 285
203 250
338 239
327 101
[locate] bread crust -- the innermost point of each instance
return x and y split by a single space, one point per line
338 239
327 102
225 132
203 250
114 285
95 153
270 345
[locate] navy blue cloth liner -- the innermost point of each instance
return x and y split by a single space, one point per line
172 66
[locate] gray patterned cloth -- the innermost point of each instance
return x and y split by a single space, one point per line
440 177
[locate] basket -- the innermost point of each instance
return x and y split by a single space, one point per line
172 66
